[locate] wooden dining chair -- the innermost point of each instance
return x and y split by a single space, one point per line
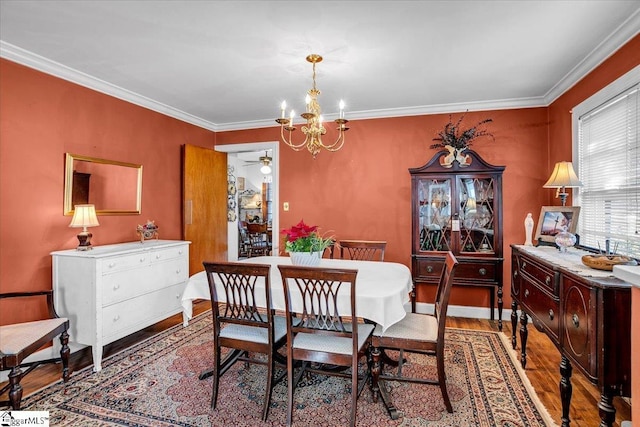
321 331
259 243
417 333
20 340
248 328
362 250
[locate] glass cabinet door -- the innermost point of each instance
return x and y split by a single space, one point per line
477 214
434 213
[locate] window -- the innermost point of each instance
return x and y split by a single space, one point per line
607 154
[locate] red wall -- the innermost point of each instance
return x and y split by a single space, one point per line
624 60
361 191
43 117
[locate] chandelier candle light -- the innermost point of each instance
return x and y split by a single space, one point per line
313 129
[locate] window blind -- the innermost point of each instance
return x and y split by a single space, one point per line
609 168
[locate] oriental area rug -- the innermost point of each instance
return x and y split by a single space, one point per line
155 383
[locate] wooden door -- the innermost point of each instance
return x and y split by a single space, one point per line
204 201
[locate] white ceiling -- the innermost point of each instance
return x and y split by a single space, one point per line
228 65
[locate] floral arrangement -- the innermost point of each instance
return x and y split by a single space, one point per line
305 238
452 135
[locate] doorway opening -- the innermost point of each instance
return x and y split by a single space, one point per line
256 195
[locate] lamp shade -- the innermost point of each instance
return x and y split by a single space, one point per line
84 216
563 175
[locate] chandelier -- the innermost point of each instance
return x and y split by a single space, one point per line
313 129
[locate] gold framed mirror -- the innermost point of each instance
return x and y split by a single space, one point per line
115 188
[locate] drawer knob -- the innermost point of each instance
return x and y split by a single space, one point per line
483 271
429 269
116 317
515 273
576 320
112 264
158 256
526 293
142 259
551 314
180 252
116 287
178 271
547 280
524 264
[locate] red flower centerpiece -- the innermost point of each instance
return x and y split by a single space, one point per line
305 240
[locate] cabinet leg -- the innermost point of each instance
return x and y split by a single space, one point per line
500 304
514 323
605 407
412 295
566 389
523 338
96 352
492 301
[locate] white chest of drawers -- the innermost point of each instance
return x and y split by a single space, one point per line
114 290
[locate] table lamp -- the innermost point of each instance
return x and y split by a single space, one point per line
84 216
563 176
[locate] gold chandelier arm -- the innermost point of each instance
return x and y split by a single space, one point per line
289 142
336 145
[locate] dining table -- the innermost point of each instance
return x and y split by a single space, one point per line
382 288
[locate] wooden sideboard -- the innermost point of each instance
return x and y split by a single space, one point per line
586 313
114 290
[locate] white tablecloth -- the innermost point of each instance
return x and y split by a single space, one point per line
382 288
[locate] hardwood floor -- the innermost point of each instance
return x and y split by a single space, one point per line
543 362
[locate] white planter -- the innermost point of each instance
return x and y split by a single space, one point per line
307 259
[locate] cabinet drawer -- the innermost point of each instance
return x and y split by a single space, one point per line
427 269
166 254
476 271
123 263
124 285
544 309
543 276
121 319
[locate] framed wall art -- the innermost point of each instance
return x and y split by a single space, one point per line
555 219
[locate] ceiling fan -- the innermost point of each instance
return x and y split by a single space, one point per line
265 161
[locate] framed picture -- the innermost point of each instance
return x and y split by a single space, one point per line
240 183
555 219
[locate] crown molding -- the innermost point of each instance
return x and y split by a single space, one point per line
504 104
40 63
621 35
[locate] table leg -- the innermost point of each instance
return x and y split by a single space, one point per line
523 338
566 389
378 388
605 407
514 323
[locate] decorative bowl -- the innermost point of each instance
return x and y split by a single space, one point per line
606 262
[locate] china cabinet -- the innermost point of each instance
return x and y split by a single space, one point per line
457 206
